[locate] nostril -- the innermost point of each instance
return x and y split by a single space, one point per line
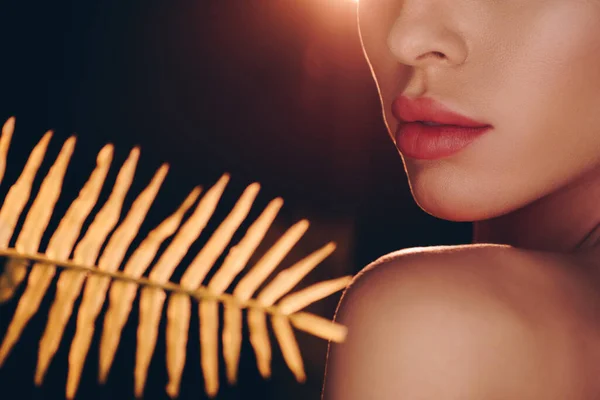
432 54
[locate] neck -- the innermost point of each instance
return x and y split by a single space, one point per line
565 221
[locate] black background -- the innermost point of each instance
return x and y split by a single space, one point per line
274 91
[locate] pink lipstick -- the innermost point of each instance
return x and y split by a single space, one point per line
427 130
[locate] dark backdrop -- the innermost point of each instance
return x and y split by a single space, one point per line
274 91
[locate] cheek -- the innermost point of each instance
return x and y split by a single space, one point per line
554 68
548 100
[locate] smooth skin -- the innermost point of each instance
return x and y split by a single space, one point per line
515 315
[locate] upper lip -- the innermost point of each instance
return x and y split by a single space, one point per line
424 109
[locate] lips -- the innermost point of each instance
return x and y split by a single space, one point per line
426 110
427 130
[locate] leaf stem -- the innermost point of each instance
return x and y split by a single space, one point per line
202 293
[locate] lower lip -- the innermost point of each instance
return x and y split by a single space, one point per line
424 142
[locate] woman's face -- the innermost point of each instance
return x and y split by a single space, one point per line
529 68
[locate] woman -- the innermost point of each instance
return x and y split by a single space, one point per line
494 107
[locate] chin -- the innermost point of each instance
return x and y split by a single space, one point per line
456 199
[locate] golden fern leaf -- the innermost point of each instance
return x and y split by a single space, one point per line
102 276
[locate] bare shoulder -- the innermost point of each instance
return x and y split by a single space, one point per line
464 322
523 283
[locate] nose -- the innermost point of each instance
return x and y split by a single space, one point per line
422 36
